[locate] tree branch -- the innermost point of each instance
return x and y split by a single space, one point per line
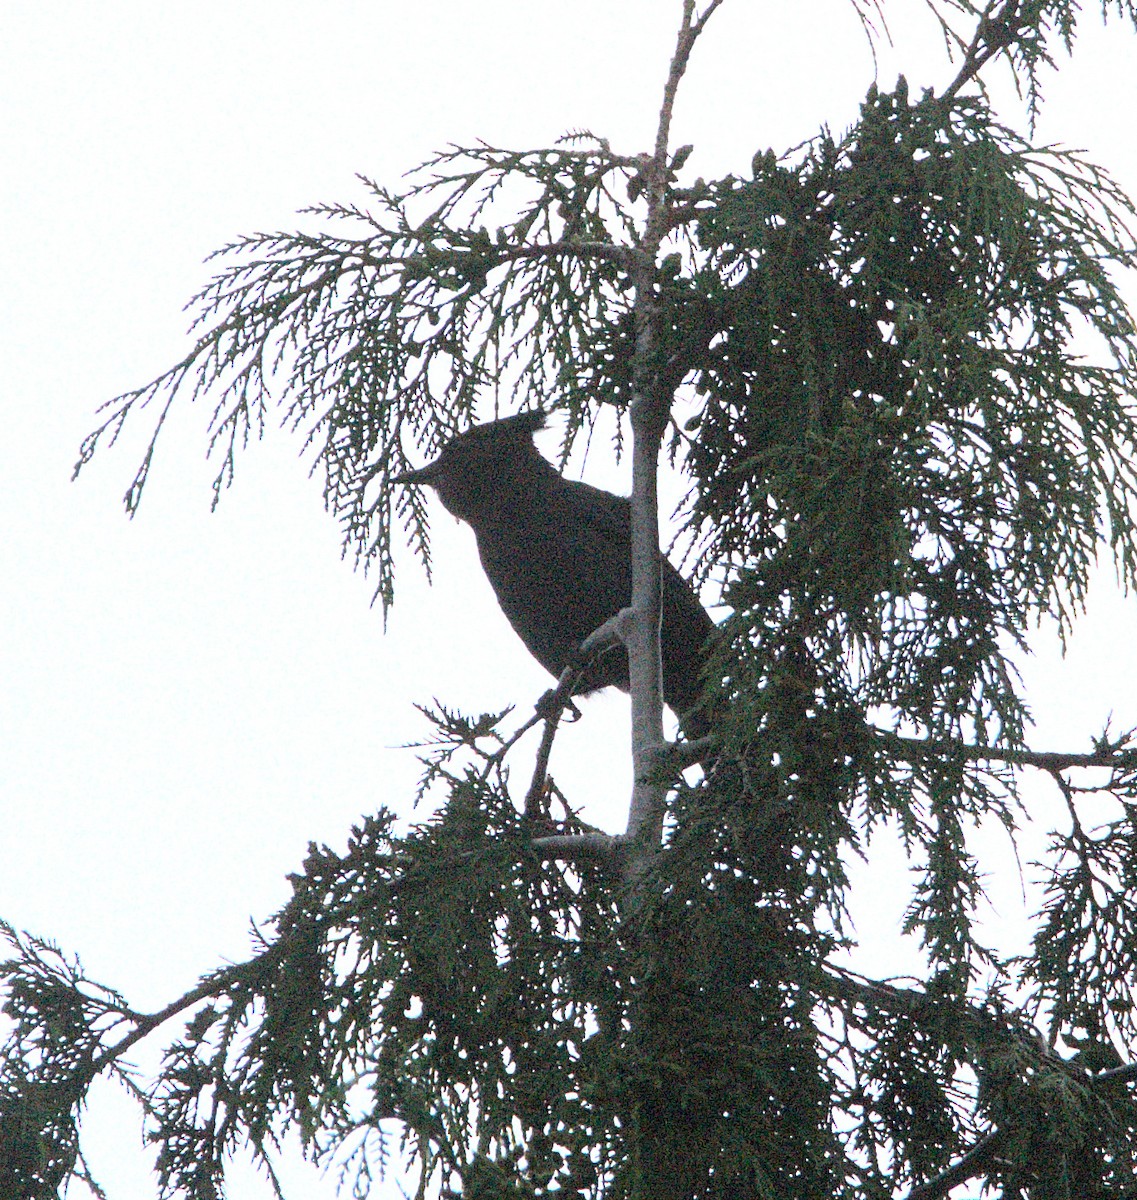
1123 1074
649 411
592 845
1045 760
602 250
689 32
146 1023
992 36
676 757
553 703
967 1167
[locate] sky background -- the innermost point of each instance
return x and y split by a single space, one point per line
187 699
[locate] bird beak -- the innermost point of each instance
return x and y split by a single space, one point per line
425 474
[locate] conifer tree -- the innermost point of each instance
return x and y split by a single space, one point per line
897 372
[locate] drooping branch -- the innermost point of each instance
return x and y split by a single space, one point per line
211 987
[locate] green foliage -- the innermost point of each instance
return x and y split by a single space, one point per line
1085 960
890 377
531 1044
447 978
47 1065
909 372
401 326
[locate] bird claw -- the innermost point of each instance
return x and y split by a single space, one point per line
551 705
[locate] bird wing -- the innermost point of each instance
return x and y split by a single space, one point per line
562 567
686 623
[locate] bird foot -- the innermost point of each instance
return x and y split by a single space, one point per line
553 704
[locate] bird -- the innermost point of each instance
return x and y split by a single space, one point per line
557 553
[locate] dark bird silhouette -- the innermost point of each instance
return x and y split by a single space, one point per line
558 554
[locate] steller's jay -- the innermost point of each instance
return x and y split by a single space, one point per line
558 554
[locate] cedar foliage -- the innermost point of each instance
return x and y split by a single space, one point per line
901 458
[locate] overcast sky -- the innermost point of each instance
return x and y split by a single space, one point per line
188 698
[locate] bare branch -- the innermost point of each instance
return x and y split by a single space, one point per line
675 757
615 630
594 845
569 249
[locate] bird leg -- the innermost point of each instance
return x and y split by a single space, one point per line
559 699
614 632
554 703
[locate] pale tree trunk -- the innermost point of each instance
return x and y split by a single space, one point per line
649 412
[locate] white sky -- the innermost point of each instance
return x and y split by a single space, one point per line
189 698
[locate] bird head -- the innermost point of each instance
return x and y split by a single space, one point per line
480 467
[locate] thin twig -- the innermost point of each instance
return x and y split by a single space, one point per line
551 706
495 759
216 983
